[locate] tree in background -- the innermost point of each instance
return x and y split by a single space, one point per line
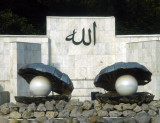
13 24
132 16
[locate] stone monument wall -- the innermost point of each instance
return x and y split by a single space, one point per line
145 50
147 53
82 59
14 54
79 47
82 63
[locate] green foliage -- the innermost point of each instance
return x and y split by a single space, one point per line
138 17
13 24
28 16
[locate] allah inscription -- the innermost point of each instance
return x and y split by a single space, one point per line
71 36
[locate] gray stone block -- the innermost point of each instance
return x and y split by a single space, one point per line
4 97
143 118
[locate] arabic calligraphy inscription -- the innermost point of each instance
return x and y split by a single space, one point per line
71 36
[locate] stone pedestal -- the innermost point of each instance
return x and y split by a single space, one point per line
114 98
40 99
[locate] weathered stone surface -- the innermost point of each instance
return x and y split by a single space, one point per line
143 118
11 104
115 113
21 104
39 114
118 107
50 106
87 105
101 120
69 106
76 103
152 112
83 119
141 112
75 121
129 113
47 121
152 107
108 107
132 106
64 113
117 120
25 121
113 120
51 114
102 113
137 109
4 105
41 119
13 107
97 105
68 119
60 105
76 112
126 106
15 115
129 120
155 119
93 119
145 107
3 120
14 121
157 106
5 116
159 111
34 121
53 102
27 114
89 113
41 107
59 121
5 110
32 107
51 120
22 109
154 103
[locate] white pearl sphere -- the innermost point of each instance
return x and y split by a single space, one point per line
40 86
126 85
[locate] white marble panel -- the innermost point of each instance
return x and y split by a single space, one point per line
80 72
86 92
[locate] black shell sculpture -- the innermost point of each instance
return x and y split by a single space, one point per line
61 83
107 77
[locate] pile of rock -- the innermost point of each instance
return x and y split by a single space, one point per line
77 111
